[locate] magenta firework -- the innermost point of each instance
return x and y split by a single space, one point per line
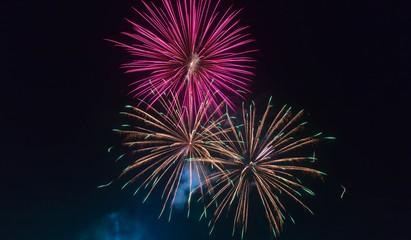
192 50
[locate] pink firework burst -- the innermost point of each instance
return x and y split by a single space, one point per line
190 50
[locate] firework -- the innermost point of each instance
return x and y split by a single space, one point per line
260 160
168 146
191 50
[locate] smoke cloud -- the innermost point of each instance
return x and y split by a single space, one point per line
184 188
115 226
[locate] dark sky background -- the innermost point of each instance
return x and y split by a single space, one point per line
345 62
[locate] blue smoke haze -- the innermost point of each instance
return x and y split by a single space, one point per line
184 188
116 226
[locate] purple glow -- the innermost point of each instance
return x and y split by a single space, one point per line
192 51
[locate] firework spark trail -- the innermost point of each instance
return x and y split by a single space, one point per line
169 145
192 50
264 160
344 190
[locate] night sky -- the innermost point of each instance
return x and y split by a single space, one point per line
345 62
